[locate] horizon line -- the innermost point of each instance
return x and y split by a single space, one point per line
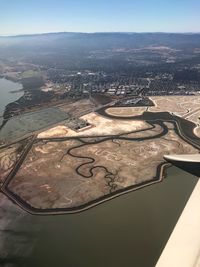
82 32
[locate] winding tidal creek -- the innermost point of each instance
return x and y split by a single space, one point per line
130 230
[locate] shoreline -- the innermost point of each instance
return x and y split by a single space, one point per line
61 211
15 91
149 117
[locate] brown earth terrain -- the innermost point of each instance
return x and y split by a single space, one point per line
8 158
75 172
101 126
187 107
101 160
125 111
179 105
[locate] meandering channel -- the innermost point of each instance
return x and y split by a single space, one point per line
180 126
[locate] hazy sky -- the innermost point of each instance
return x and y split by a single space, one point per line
37 16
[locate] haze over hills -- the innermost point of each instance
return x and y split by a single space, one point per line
100 51
104 40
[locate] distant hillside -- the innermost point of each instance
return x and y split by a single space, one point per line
103 40
101 51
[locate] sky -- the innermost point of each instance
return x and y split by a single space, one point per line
41 16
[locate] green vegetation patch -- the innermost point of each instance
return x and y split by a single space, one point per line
30 73
23 125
